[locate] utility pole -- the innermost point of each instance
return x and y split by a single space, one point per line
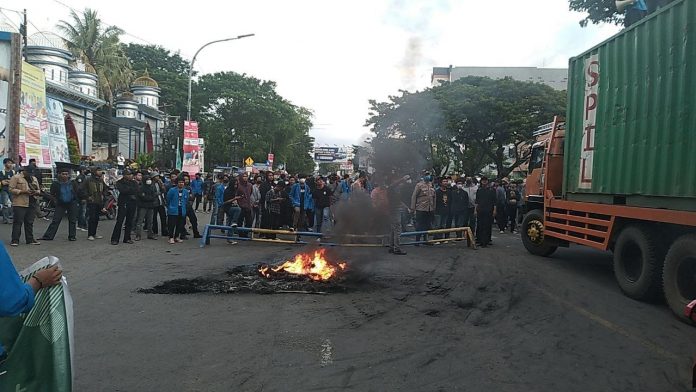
26 33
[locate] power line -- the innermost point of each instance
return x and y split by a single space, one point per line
11 10
124 31
8 19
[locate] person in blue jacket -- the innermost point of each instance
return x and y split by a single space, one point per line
16 296
177 198
301 198
197 190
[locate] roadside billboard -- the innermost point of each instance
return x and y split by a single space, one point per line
191 163
33 117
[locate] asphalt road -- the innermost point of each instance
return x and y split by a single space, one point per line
442 318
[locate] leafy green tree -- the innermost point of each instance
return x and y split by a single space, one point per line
99 46
329 167
598 11
492 117
245 116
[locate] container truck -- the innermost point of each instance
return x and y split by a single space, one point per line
619 173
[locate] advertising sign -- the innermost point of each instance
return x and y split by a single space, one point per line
191 163
57 137
33 117
330 154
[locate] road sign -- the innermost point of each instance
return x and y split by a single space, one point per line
248 161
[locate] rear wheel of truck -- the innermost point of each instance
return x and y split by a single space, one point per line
638 260
533 236
679 276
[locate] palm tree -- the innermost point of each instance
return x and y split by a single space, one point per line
99 46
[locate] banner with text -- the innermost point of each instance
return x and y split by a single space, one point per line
57 138
33 117
191 162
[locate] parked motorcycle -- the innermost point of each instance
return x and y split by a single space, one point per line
110 204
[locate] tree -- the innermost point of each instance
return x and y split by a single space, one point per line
99 47
329 168
598 11
496 118
242 114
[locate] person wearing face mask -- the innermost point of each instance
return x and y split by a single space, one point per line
147 203
459 208
443 198
301 198
423 203
264 187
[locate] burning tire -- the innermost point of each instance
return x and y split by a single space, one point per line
679 276
533 234
638 260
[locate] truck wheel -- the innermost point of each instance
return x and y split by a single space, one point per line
533 234
679 276
638 260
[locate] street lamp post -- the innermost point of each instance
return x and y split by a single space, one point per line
188 102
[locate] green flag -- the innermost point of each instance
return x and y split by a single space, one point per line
39 343
178 155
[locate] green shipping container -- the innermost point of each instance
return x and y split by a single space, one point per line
631 121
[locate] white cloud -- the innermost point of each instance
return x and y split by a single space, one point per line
333 56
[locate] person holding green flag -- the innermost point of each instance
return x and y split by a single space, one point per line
17 297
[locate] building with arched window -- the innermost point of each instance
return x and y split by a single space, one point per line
69 81
141 123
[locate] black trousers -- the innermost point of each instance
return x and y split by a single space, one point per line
484 226
501 216
424 221
93 212
512 216
175 225
126 213
198 200
71 210
160 212
191 215
23 216
245 219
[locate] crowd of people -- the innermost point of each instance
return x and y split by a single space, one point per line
150 203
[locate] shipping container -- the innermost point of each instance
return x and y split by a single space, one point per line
631 119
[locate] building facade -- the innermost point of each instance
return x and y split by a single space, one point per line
556 78
141 123
68 81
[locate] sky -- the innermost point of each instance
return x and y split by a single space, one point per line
332 57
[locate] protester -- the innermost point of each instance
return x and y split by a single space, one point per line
264 188
190 212
230 204
501 204
423 203
301 198
208 194
25 191
255 202
93 191
274 201
127 205
442 206
512 198
322 206
197 190
485 209
81 201
177 200
395 208
161 209
65 196
243 194
459 207
361 185
5 176
148 202
470 186
216 212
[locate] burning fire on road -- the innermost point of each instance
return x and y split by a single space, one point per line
314 266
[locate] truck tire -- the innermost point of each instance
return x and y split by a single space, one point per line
533 237
679 276
638 260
